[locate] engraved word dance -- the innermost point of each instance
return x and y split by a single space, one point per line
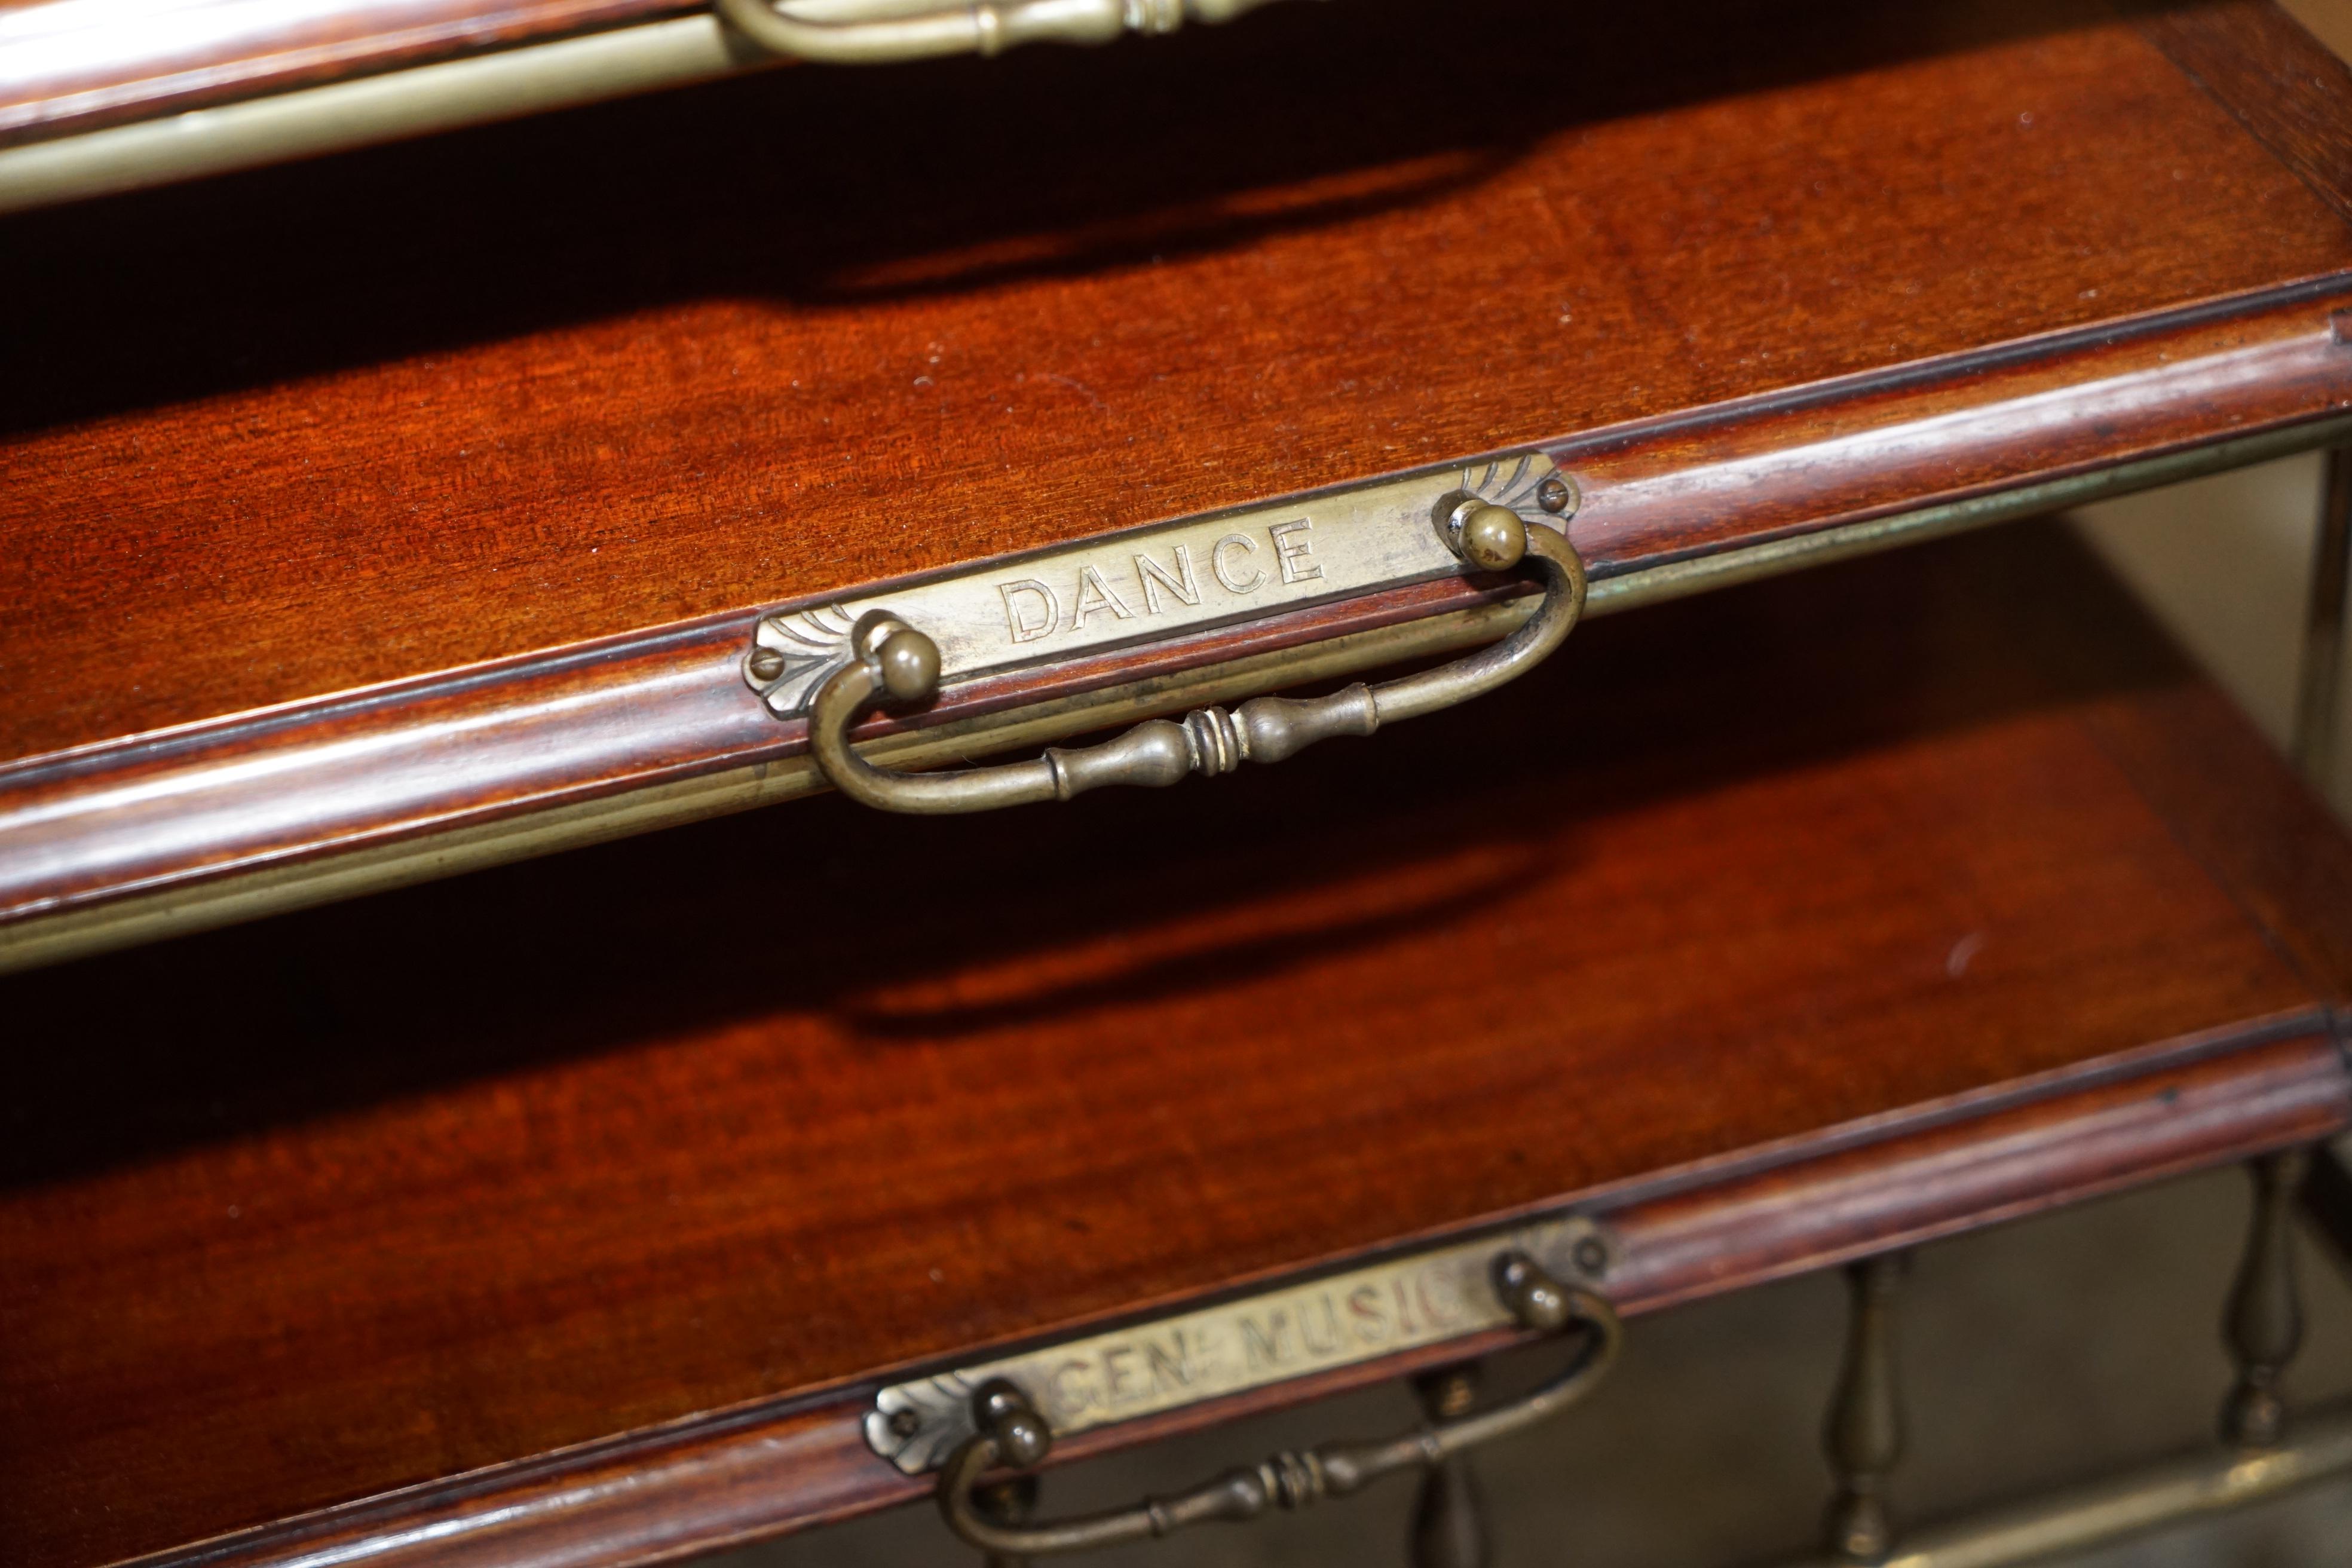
1239 566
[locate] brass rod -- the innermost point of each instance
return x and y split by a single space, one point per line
2175 1491
2316 697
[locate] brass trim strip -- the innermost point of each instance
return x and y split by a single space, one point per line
326 878
506 84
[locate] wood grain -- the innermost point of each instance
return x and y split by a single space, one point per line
456 1177
230 511
2287 88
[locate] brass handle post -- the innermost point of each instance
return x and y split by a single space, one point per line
893 662
1012 1433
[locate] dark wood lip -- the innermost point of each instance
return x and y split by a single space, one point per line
684 633
828 1412
1917 374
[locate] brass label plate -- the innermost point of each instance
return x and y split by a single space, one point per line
1419 1299
1161 580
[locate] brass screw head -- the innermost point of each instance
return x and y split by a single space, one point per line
766 664
1493 538
910 666
1556 495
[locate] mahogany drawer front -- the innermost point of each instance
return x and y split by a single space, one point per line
326 573
1828 914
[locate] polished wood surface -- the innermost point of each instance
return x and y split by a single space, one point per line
1771 896
2285 87
258 468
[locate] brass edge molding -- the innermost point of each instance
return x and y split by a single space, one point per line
327 876
1230 1347
476 90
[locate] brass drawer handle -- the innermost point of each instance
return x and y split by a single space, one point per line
875 35
1011 1432
890 661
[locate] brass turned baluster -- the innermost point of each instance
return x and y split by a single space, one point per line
1864 1434
1449 1520
1011 1501
2263 1323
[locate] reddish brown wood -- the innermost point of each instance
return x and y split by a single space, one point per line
2188 753
2284 86
72 66
232 550
456 1177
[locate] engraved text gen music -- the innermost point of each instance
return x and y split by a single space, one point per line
1260 1341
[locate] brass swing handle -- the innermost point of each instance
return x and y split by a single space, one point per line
848 34
1013 1433
891 660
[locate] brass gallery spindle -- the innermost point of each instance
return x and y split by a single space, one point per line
1863 1436
1010 1502
2263 1323
1449 1522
